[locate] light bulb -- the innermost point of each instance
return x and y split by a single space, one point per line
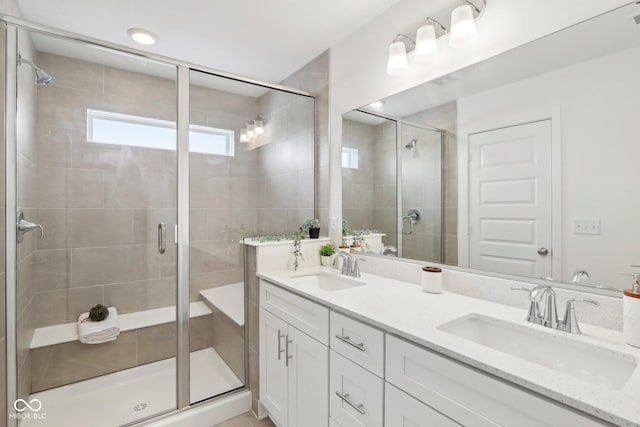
397 61
463 27
251 133
258 127
426 43
243 135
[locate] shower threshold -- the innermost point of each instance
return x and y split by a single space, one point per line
132 394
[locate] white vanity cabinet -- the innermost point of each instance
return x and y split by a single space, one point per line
468 396
293 364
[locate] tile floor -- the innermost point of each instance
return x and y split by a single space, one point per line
246 420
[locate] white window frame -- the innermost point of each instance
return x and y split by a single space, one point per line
349 158
229 135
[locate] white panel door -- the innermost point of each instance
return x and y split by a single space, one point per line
273 370
510 200
308 381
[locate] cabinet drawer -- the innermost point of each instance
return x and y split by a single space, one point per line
358 342
400 409
307 316
355 394
469 396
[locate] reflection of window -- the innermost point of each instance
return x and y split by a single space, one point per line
350 158
122 129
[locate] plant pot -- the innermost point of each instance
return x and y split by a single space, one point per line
314 233
326 260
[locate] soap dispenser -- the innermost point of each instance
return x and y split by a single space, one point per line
631 312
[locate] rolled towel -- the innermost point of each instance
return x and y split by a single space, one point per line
98 332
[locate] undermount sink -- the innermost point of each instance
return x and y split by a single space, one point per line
325 281
588 362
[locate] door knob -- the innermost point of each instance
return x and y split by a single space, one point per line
543 251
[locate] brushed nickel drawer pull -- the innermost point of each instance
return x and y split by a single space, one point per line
345 398
347 340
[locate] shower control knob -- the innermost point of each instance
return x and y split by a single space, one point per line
543 251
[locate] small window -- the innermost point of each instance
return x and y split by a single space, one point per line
350 158
122 129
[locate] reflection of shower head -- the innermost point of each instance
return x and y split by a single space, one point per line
411 144
42 77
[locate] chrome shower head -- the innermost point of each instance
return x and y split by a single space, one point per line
411 144
42 77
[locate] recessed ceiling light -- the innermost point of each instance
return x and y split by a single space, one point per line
142 36
376 104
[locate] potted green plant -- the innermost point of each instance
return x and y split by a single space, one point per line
326 254
312 226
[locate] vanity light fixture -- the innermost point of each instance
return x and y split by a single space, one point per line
142 36
243 135
463 25
463 33
251 131
258 127
426 40
398 61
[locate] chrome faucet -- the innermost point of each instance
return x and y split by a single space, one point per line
549 316
389 250
578 275
350 265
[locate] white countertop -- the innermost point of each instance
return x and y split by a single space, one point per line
402 309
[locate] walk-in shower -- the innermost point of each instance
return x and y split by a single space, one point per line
132 167
399 186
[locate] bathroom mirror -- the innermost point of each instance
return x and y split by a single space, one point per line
524 165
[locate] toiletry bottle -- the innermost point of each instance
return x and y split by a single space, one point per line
631 312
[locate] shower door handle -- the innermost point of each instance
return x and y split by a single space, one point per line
413 216
162 238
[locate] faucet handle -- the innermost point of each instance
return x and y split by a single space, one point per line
355 270
533 315
570 321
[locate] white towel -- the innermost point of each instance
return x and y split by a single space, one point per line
98 332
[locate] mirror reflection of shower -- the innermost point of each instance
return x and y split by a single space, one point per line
42 77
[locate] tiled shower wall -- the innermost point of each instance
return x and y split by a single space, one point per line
369 194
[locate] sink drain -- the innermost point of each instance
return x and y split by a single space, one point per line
141 406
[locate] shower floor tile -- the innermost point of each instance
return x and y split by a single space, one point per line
132 394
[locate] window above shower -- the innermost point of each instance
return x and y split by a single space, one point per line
106 127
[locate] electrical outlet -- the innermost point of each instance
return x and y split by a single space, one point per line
586 226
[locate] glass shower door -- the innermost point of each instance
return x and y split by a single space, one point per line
97 191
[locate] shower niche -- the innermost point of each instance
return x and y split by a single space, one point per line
134 170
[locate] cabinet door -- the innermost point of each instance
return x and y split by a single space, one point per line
402 410
308 380
273 370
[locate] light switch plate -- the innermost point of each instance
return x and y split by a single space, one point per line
333 225
586 226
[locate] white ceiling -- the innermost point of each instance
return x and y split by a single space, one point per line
264 40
